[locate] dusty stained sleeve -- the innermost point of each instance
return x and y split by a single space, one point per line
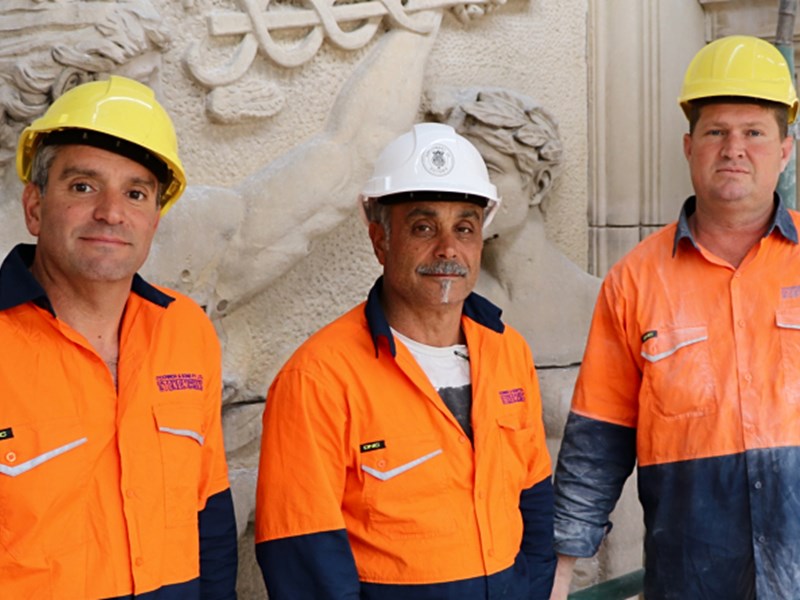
594 461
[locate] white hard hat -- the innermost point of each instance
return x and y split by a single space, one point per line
431 157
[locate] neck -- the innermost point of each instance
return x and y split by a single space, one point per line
730 233
433 327
505 253
94 309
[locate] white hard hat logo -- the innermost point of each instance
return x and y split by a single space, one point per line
438 160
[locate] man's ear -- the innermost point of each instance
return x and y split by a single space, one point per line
32 207
786 151
687 145
377 234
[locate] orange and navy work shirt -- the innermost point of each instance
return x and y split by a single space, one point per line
692 368
369 488
111 492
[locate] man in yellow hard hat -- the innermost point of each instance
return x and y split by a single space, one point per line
113 481
692 367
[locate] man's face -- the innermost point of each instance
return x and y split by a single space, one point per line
96 219
433 253
736 154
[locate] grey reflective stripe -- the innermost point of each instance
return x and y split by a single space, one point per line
671 351
185 433
386 475
788 325
42 458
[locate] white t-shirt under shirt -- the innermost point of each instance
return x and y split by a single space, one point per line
448 370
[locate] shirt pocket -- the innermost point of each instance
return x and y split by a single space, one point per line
788 321
181 436
44 469
678 375
405 489
518 449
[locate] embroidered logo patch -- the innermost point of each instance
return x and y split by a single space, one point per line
791 292
179 381
370 446
6 434
512 396
648 335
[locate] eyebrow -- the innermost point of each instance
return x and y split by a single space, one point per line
720 123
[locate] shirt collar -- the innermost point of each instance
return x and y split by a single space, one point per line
476 308
781 220
18 285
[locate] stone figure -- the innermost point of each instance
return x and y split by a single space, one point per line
539 288
272 216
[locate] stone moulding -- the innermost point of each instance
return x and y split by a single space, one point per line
320 21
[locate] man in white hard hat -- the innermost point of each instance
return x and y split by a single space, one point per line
403 452
692 367
113 481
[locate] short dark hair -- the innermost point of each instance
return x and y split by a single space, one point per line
781 111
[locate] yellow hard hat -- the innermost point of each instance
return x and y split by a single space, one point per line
739 65
118 114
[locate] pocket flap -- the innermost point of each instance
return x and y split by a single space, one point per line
514 423
386 475
180 419
788 317
666 342
36 444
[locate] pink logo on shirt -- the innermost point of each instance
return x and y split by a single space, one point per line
512 396
790 292
179 381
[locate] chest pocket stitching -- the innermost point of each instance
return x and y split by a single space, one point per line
184 432
671 351
42 458
387 475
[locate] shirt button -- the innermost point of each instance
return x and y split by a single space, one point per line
381 463
740 322
129 493
139 561
748 377
762 539
11 457
490 552
462 439
481 495
757 485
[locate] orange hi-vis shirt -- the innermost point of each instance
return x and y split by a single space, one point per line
100 488
356 438
712 353
692 372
